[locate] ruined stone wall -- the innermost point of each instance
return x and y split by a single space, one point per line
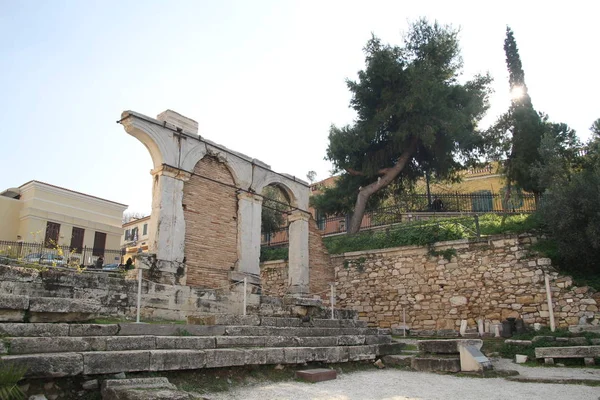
210 211
321 271
116 295
274 274
491 279
274 278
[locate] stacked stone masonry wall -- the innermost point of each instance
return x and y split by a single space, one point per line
274 274
489 280
210 211
117 295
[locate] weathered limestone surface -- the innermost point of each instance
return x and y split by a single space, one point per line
169 329
142 389
24 329
192 343
62 305
68 296
93 329
14 302
12 315
33 345
115 361
491 280
567 352
451 346
224 358
130 343
166 360
435 364
48 365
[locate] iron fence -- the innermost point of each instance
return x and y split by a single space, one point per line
38 253
416 207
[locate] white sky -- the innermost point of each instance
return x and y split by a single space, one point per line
265 78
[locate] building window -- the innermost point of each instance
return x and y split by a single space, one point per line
77 239
145 229
134 234
99 244
52 232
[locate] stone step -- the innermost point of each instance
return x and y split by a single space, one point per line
33 345
397 359
436 364
46 309
108 362
255 320
293 331
447 346
133 329
142 388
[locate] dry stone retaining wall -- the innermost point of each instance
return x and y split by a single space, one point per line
492 280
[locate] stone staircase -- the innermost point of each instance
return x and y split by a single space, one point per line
450 355
60 349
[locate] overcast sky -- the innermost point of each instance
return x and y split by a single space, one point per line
265 78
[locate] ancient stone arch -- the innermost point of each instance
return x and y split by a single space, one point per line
206 206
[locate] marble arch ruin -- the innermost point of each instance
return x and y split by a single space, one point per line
206 206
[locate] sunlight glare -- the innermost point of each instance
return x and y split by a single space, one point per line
517 92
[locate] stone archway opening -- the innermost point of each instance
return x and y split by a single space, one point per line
276 206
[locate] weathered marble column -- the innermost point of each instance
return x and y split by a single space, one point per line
249 221
167 225
298 275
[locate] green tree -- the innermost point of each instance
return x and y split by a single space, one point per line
570 209
519 131
413 116
274 209
559 155
535 150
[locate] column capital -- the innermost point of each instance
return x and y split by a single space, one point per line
298 215
249 196
165 170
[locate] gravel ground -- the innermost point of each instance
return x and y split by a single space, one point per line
547 372
392 384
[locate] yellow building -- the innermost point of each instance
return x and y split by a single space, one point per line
51 216
135 237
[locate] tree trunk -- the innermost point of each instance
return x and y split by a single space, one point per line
366 192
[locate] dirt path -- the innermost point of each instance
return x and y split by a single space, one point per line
393 384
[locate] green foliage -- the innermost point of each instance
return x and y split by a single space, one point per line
536 151
410 106
510 350
182 332
494 224
10 375
417 233
420 233
273 253
273 209
573 221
